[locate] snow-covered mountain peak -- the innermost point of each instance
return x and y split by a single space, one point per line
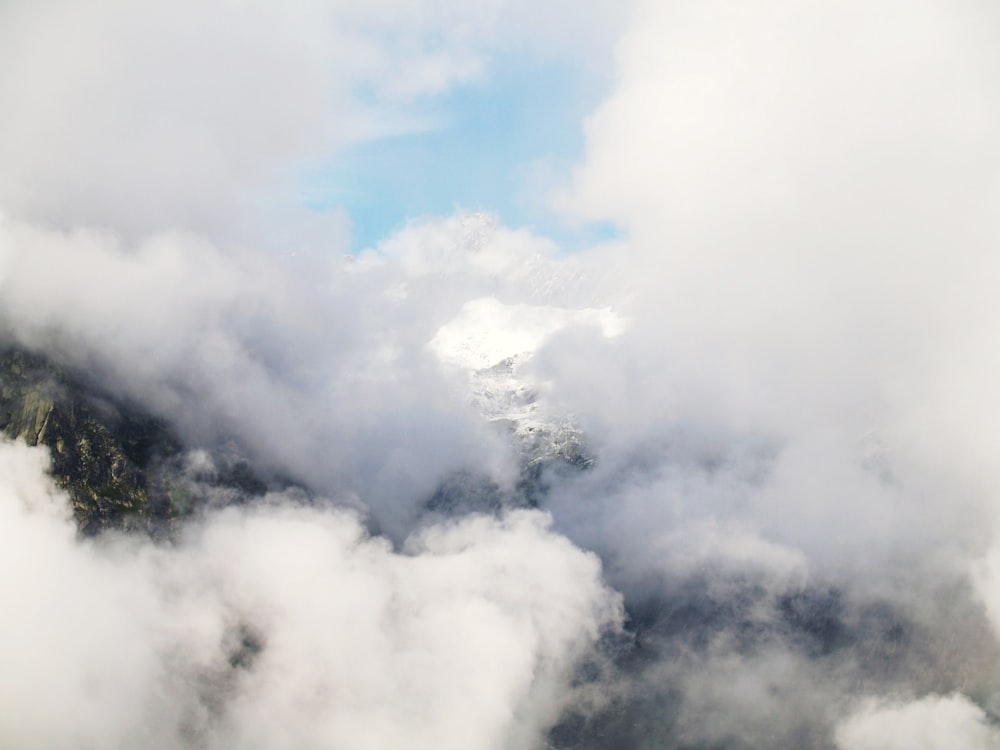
493 342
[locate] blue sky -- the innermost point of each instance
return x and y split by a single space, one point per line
493 145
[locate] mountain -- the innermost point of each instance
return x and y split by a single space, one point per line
107 455
122 467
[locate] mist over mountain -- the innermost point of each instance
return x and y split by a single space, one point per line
726 479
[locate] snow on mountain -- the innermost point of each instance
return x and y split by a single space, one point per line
493 343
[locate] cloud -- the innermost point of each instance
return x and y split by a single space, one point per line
807 195
933 722
286 625
309 366
781 380
140 117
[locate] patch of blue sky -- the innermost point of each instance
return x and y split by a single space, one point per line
493 145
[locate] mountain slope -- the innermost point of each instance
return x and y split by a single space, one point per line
104 454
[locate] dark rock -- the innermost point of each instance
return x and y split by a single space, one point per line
102 451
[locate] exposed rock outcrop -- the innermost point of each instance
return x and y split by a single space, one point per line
104 454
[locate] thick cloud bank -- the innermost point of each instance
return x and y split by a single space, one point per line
728 480
285 626
950 721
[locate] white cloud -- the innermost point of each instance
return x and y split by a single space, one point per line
808 196
802 400
808 192
143 117
286 626
304 363
936 722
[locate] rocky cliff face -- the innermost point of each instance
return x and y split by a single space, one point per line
104 454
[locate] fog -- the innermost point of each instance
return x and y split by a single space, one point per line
770 519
